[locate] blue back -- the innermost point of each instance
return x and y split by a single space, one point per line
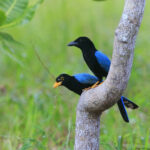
103 60
86 78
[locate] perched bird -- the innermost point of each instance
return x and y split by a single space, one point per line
98 63
78 82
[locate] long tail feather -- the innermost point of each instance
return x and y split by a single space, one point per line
129 104
123 110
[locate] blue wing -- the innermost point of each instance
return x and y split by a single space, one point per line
86 78
103 60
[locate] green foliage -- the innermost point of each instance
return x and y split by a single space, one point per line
14 12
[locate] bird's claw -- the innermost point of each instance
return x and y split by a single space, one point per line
93 86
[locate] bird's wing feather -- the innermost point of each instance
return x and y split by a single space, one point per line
123 110
86 78
103 60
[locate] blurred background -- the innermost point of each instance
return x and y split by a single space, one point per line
33 115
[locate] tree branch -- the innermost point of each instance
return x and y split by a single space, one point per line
93 102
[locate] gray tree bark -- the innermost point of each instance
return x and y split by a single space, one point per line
95 101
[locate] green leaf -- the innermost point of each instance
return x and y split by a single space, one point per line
13 8
30 12
2 17
4 48
18 11
7 37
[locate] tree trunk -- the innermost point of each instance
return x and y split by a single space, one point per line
94 101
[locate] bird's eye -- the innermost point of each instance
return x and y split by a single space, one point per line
62 78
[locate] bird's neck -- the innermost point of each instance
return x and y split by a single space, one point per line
88 50
74 86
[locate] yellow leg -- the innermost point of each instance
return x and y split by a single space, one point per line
100 83
93 86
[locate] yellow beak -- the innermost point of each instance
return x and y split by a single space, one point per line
56 84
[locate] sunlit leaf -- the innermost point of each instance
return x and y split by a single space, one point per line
13 8
30 12
17 11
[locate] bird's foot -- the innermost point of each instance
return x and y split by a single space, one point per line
96 84
100 83
91 87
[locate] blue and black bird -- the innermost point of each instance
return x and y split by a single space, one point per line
78 82
98 63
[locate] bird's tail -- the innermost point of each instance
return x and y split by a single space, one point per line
129 104
123 110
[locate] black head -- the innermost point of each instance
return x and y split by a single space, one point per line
84 43
62 79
